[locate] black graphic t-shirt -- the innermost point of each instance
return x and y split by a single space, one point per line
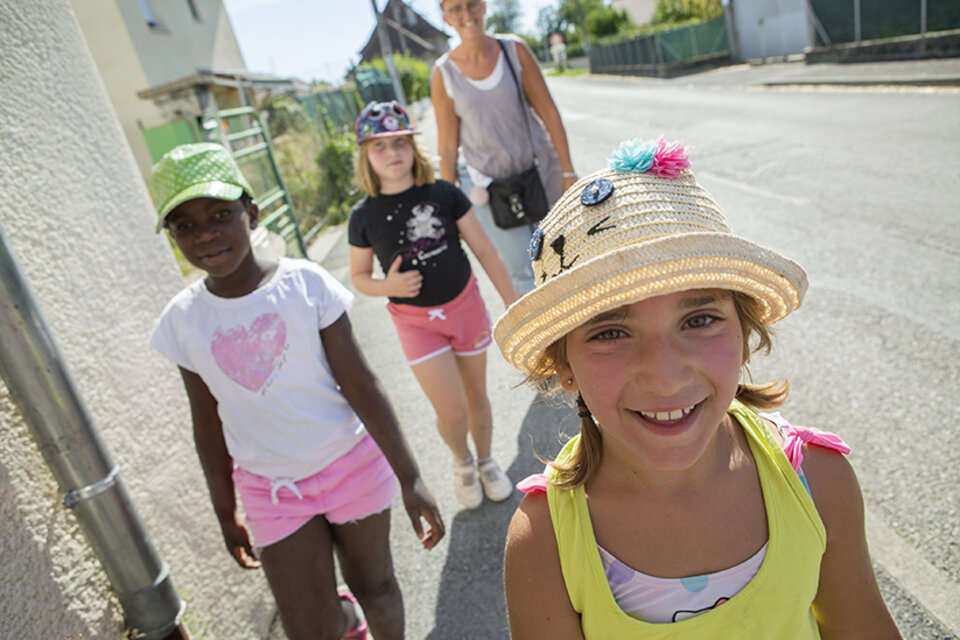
419 224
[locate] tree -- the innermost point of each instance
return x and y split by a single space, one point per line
549 22
673 11
575 13
605 21
505 17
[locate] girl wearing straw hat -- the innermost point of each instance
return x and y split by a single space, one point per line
677 496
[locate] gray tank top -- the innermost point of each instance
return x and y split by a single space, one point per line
493 137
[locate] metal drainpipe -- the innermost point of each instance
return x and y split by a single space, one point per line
36 376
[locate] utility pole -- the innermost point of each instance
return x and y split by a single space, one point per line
387 52
403 41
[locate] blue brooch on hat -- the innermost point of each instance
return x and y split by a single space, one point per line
596 192
536 245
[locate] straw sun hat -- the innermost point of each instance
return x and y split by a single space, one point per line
642 228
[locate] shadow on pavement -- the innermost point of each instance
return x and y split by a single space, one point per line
470 601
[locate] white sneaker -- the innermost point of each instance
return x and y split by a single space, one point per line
466 485
496 484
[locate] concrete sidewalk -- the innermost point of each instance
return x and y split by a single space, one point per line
935 72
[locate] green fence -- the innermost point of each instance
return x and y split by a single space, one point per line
374 85
855 20
339 107
652 52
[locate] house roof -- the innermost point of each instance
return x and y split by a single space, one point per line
422 39
224 78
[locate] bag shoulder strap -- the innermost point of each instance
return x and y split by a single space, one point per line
521 95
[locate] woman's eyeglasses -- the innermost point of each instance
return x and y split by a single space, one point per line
455 11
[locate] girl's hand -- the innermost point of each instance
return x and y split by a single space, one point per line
420 504
568 181
402 285
237 538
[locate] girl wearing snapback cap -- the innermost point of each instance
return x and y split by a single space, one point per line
679 511
285 411
413 224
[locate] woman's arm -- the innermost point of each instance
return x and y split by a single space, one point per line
488 256
848 604
395 284
363 392
448 127
538 95
217 468
537 603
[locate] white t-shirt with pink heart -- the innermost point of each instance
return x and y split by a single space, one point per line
262 358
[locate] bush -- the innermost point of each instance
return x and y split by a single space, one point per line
296 154
605 21
414 75
338 189
285 114
318 173
678 11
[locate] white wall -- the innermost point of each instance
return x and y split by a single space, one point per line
770 28
80 222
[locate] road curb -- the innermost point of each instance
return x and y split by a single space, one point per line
913 573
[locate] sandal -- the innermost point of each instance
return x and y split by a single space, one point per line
359 632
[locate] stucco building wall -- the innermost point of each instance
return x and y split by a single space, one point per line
80 223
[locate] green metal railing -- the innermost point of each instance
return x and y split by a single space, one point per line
242 132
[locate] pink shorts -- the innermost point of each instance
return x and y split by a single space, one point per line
356 485
461 324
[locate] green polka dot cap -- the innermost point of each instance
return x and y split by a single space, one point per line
202 170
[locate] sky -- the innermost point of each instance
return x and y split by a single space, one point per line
318 39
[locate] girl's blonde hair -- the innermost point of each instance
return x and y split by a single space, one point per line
369 181
585 459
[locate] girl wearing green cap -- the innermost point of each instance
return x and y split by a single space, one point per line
285 411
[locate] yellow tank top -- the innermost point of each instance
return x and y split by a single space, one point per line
775 604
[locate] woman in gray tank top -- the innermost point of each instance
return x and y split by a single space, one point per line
479 112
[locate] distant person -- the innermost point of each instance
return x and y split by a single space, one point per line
413 224
679 511
285 411
478 110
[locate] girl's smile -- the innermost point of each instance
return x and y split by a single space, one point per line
214 235
658 375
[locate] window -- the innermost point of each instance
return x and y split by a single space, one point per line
193 10
149 16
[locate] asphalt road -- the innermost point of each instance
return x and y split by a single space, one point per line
859 185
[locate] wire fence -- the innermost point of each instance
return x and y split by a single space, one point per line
856 20
641 53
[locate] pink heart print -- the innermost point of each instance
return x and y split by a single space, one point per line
249 357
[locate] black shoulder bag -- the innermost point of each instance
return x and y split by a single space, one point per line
518 199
